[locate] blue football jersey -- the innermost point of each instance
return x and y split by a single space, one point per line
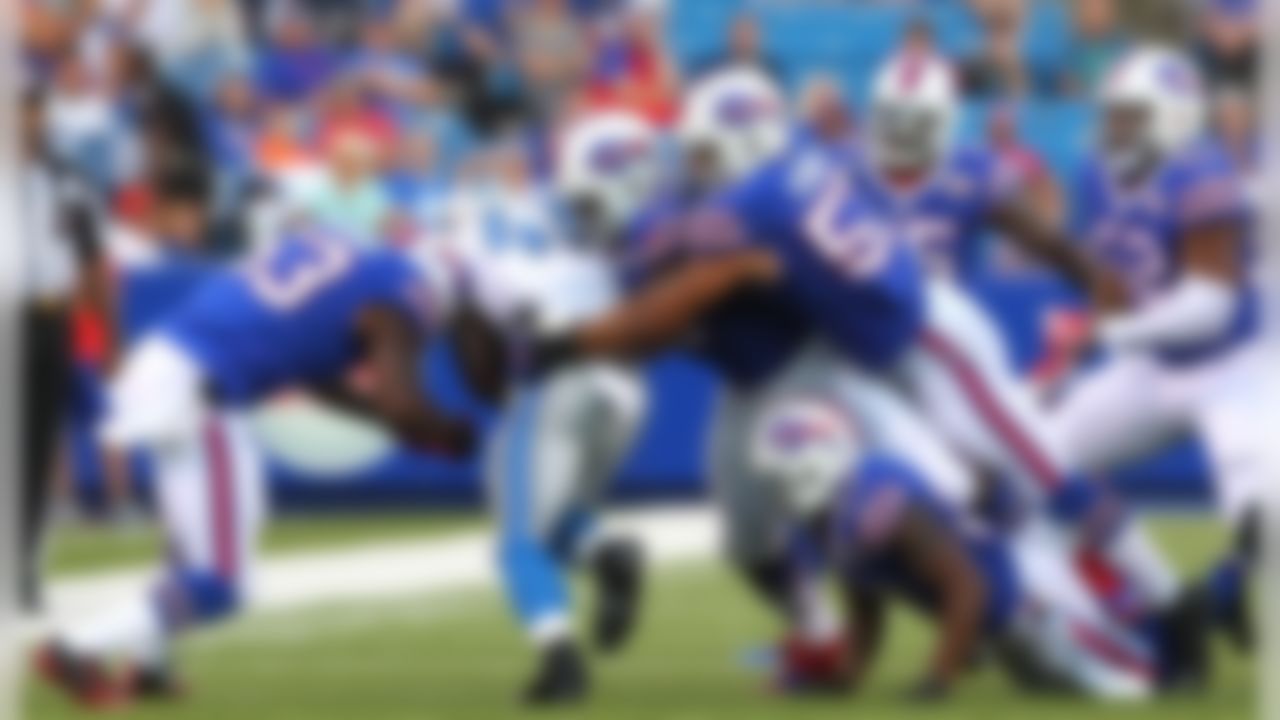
845 265
747 338
287 317
945 217
847 276
1137 231
865 515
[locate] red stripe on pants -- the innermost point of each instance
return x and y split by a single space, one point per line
222 499
992 410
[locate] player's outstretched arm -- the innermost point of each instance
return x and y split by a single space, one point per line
662 312
393 347
481 353
1201 303
943 566
1031 233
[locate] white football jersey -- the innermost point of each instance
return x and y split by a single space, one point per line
519 265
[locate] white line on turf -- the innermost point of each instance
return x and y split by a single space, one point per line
383 570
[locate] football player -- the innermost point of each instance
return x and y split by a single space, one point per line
1163 205
302 314
888 536
560 440
949 200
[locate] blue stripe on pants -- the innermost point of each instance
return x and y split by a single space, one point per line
532 578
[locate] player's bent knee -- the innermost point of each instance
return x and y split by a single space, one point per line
1079 501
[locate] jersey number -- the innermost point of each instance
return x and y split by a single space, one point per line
289 277
859 248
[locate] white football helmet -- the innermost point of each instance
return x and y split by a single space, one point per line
914 111
607 167
734 121
804 448
1154 105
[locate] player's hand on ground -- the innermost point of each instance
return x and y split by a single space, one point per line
815 667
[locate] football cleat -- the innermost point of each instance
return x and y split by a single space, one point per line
619 572
1185 630
155 685
87 682
561 678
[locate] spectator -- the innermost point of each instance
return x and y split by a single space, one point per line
295 61
193 42
1235 123
346 106
1228 47
825 112
1021 166
1099 41
635 73
280 147
745 47
550 52
998 70
348 195
81 122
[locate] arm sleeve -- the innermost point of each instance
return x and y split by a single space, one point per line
1195 308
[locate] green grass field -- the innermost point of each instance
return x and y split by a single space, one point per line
459 658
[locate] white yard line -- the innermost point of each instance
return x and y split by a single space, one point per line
382 570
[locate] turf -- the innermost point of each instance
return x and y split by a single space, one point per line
459 658
89 548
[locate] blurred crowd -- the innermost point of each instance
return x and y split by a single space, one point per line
367 113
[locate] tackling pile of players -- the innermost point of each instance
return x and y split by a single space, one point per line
871 434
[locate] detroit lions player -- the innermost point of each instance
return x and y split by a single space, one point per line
560 439
882 529
948 200
303 314
1162 205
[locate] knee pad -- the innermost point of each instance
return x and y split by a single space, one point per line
193 597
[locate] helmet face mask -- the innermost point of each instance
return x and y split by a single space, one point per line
731 123
1127 139
907 138
1154 107
606 169
914 102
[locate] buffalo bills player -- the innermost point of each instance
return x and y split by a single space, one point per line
303 313
890 537
1162 205
948 200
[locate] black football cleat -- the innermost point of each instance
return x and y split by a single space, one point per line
155 685
619 572
561 679
86 682
1185 627
1236 623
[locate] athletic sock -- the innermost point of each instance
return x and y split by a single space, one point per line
132 631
